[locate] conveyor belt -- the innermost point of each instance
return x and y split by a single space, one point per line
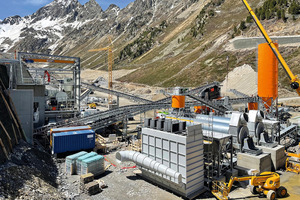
209 104
85 94
116 93
237 100
238 93
108 117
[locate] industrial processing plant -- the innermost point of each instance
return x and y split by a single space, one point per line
66 133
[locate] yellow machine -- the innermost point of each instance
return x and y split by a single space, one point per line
92 106
267 183
295 81
292 163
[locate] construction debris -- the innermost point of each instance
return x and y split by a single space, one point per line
101 183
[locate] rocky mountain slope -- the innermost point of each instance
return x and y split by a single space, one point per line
169 43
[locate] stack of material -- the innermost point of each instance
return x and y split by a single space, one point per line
71 162
136 145
100 144
93 165
88 185
84 179
92 188
81 158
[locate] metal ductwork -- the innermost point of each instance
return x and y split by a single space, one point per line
148 163
236 125
215 118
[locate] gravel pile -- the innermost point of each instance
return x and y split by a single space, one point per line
30 173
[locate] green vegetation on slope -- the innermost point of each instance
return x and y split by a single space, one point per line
143 44
207 12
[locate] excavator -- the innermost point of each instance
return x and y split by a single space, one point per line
295 81
267 183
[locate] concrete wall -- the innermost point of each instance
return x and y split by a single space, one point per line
23 101
260 162
278 156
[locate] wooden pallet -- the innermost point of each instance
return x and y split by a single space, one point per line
136 146
100 144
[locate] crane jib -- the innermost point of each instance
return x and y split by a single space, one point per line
295 82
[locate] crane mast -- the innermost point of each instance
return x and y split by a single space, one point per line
109 50
295 81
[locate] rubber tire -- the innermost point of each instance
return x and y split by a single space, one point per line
281 192
271 195
253 189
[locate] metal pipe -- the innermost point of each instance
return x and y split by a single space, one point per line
148 163
216 127
205 123
215 118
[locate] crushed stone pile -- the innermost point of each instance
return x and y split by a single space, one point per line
243 79
29 173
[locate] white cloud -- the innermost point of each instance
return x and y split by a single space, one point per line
36 2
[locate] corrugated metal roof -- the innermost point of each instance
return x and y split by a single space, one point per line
74 133
65 129
76 155
93 159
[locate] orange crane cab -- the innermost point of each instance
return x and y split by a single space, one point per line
267 183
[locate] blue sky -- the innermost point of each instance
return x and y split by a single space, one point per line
27 7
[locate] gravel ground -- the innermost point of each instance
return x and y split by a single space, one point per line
31 173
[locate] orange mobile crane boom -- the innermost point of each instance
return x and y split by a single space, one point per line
110 64
295 81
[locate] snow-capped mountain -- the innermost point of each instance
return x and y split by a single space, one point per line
43 29
168 42
62 24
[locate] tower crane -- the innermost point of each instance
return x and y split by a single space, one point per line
109 50
295 81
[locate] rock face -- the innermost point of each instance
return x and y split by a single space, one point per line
55 26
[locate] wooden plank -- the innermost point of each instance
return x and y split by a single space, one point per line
13 105
7 135
17 141
8 108
3 148
12 115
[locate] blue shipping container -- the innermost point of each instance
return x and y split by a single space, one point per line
73 141
72 128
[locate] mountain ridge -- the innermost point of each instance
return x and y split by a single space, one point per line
169 43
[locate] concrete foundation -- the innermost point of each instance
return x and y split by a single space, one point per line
278 156
260 162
